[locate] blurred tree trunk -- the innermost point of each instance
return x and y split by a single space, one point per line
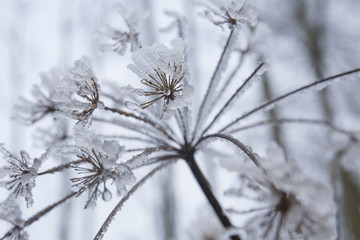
348 196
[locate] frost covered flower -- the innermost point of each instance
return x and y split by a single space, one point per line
103 167
229 12
117 40
78 95
30 112
21 173
289 205
163 72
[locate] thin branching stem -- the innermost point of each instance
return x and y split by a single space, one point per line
118 206
278 121
200 113
137 130
231 77
227 104
205 187
237 143
131 138
154 160
270 102
60 167
181 122
37 216
145 120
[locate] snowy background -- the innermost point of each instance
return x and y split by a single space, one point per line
38 35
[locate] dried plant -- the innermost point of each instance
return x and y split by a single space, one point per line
170 120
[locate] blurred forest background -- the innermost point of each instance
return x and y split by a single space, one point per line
301 40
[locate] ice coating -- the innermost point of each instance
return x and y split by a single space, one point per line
162 71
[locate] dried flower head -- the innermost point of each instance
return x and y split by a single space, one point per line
21 173
289 205
78 95
163 71
29 112
117 40
101 167
230 12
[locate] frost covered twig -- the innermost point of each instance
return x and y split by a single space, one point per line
60 167
278 121
145 120
212 84
237 92
118 206
278 99
236 142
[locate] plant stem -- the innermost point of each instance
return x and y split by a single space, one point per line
210 87
277 99
205 187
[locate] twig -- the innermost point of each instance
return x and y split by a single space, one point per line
205 186
232 98
264 105
118 206
199 116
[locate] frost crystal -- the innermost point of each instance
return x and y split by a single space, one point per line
229 12
163 72
290 205
78 95
21 173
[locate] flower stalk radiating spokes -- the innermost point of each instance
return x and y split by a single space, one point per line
161 124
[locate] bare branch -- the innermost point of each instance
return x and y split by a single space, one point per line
270 102
105 225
